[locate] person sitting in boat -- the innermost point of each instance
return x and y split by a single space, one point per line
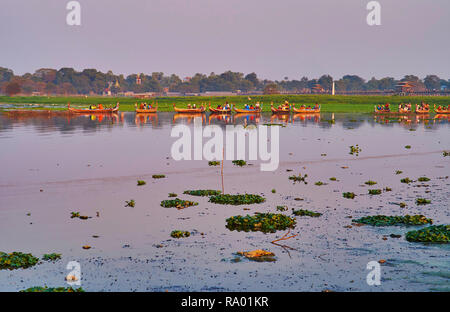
189 105
316 106
302 106
309 107
194 105
219 106
141 106
247 106
251 107
257 105
386 106
100 106
227 106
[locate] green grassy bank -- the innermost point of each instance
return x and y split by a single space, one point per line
337 104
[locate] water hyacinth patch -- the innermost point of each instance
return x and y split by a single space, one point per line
446 153
50 289
431 234
333 179
299 178
406 180
239 163
17 260
370 182
202 192
320 183
349 195
355 150
141 182
422 201
213 163
282 208
375 192
180 234
173 195
381 220
408 146
307 213
263 222
51 257
177 203
130 203
423 179
74 215
398 172
240 199
258 255
158 176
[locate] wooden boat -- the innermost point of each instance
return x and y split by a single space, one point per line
219 110
189 110
441 111
382 111
422 111
93 111
282 110
404 110
306 110
247 111
146 111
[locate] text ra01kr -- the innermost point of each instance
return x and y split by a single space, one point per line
246 301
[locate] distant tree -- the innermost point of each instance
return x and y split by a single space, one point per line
12 88
326 81
271 88
6 74
432 82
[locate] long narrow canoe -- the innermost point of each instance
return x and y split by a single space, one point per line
189 110
93 111
247 111
422 111
441 111
306 110
283 110
219 110
146 111
382 111
404 110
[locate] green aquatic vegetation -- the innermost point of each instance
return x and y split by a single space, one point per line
158 176
431 234
319 183
307 213
180 234
213 163
51 257
17 260
51 289
375 192
177 203
263 222
173 195
381 220
282 208
408 146
398 172
355 150
274 191
370 182
141 182
299 178
446 153
349 195
239 163
130 203
423 179
74 215
406 180
387 189
422 201
240 199
274 124
333 179
202 192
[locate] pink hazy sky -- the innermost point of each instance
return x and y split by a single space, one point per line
292 38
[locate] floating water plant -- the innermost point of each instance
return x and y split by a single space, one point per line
422 201
398 172
180 234
173 195
50 289
375 192
370 182
239 163
349 195
141 182
307 213
333 179
51 257
406 180
202 192
431 234
17 260
446 153
387 189
158 176
381 220
274 191
319 183
177 203
408 146
299 178
213 163
355 150
282 208
74 215
258 255
423 179
264 222
240 199
130 203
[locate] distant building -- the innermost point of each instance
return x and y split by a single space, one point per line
317 88
408 87
138 79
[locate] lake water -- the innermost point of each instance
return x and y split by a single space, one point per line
53 165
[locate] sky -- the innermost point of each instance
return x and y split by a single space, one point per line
275 39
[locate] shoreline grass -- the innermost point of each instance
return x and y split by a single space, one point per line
329 103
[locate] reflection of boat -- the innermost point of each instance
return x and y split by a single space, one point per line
422 110
441 111
247 111
189 117
189 110
147 110
304 110
219 110
143 118
93 111
281 110
227 118
248 117
303 116
280 117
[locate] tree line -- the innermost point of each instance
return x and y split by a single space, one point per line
68 81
